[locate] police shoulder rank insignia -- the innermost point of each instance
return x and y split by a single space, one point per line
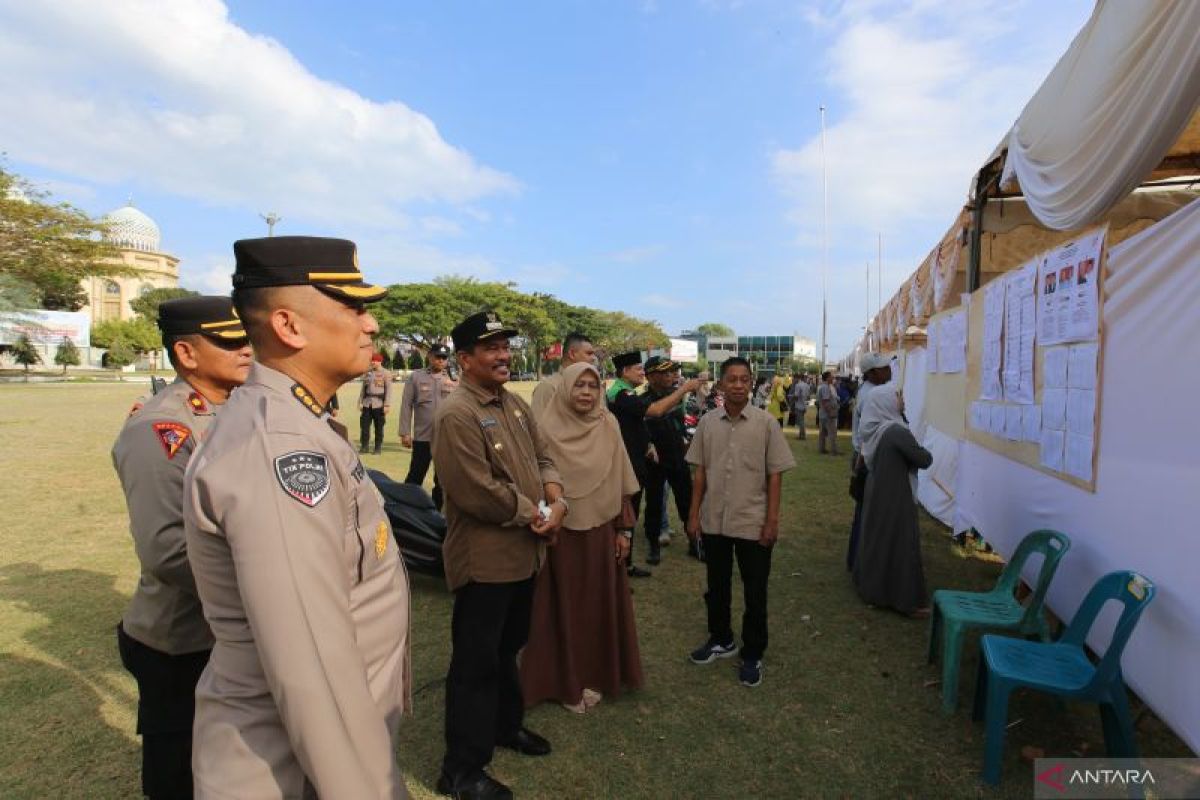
381 537
172 436
135 408
197 403
304 475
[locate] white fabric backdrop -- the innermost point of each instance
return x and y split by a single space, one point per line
942 475
1145 511
1109 111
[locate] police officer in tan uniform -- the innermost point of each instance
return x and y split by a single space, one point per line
496 470
163 638
374 400
293 555
576 347
423 394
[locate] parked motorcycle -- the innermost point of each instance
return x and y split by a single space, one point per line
418 527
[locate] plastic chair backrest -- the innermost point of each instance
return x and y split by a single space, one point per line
1053 545
1134 593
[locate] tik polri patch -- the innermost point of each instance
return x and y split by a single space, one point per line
304 475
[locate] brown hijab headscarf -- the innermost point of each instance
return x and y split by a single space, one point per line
589 454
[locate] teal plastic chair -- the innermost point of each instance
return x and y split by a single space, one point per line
1064 669
956 612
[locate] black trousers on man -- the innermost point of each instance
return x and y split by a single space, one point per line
166 708
676 473
483 689
369 417
422 457
754 564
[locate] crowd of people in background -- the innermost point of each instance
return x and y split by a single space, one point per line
269 633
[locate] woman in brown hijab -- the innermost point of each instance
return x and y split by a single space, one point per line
582 639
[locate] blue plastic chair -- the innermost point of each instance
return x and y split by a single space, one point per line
1064 669
954 612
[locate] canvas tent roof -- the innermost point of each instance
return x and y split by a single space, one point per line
1118 109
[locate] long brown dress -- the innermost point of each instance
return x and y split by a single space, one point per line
582 632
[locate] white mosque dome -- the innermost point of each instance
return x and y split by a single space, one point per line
129 227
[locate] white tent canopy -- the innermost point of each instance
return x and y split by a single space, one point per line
1109 112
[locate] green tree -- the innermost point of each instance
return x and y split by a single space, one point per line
146 304
414 360
624 333
47 248
25 353
67 354
139 333
420 314
714 329
120 354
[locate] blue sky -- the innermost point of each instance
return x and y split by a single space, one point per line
654 156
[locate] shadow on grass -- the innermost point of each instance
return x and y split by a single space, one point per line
54 737
81 609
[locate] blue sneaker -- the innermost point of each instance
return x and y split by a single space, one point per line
750 673
711 650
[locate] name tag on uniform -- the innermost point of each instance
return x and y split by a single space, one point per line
488 423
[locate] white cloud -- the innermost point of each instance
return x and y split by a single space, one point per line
635 255
176 96
918 95
212 276
661 300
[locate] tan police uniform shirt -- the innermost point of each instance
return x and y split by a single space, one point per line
738 454
376 390
308 599
492 463
424 392
545 392
150 456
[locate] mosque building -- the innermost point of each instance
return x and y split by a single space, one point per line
139 243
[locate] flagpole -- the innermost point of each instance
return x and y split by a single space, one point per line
824 248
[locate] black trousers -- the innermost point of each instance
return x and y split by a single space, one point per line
483 690
369 417
166 707
422 457
754 564
680 479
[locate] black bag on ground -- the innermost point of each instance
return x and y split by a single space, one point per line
858 483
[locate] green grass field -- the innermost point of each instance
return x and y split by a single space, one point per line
847 707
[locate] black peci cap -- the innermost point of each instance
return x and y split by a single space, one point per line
439 351
660 364
480 327
623 360
206 315
330 265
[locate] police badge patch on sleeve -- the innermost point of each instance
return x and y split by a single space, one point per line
304 475
172 436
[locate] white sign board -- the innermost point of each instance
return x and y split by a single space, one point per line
47 327
685 351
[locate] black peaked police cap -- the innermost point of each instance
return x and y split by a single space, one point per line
207 315
480 327
439 351
660 364
623 360
330 265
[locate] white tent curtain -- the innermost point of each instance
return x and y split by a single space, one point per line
1143 513
1109 111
